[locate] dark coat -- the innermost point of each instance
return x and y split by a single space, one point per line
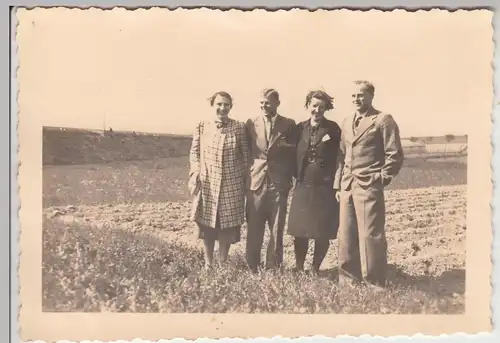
314 210
276 160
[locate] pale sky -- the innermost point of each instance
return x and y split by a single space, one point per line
153 70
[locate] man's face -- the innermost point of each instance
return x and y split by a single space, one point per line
269 105
361 98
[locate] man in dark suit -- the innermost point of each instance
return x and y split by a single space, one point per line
371 155
272 150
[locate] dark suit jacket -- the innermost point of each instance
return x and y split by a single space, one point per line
373 156
326 146
276 161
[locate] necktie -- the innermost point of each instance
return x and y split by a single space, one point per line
269 128
312 133
356 122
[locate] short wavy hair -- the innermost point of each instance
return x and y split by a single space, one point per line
370 88
221 94
321 95
271 93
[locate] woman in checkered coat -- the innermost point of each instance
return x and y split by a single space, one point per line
218 171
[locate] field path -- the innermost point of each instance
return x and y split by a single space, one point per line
426 227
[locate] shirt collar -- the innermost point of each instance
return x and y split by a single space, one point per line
321 121
217 120
220 124
273 118
367 114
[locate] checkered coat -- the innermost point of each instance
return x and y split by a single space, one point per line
219 157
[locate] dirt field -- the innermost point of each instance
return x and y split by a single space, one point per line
117 238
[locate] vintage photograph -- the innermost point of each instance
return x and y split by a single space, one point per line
256 162
234 218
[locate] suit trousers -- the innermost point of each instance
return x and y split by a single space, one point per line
267 204
362 239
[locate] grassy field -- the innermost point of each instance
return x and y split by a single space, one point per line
117 237
77 146
66 146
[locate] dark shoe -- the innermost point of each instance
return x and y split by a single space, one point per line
254 269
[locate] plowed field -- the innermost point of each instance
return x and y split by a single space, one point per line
117 237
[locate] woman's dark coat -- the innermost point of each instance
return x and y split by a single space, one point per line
314 212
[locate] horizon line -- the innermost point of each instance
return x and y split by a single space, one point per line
69 128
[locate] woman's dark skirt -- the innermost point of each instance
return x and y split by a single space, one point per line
225 236
314 212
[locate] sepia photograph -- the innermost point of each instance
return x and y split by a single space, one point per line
254 166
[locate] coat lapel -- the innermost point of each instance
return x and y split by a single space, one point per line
348 128
306 135
302 146
260 132
322 131
277 130
364 126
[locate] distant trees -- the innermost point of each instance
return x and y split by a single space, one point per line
449 137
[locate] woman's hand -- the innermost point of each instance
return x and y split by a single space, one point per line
337 195
194 183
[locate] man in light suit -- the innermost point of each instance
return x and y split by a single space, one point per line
371 155
272 158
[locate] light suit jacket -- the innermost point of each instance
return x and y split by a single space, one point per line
276 160
373 156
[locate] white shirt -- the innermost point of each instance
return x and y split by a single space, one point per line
269 125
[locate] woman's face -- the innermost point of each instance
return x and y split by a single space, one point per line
222 106
317 108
